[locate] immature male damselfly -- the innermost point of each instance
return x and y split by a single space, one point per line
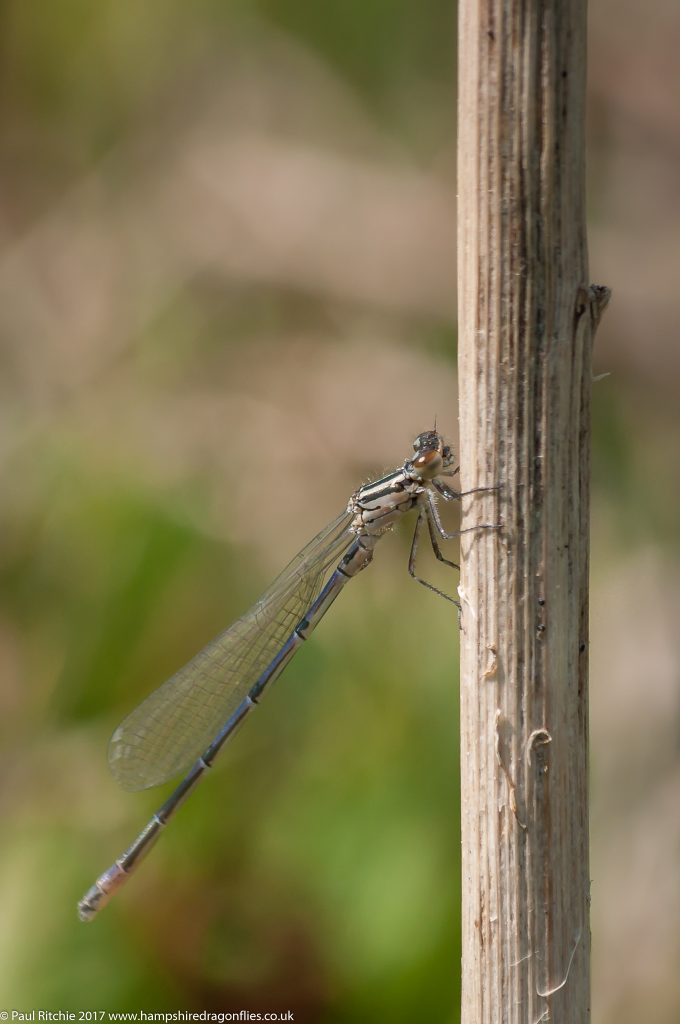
187 720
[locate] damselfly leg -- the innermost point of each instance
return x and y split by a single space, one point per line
428 512
423 517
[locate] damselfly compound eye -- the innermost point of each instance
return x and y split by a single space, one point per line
428 464
427 441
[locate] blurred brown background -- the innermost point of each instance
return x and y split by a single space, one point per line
227 298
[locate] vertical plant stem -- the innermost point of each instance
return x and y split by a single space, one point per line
527 316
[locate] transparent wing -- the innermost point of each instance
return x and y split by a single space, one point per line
177 722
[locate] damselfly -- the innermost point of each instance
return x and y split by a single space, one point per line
188 719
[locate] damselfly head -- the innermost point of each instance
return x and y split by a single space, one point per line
432 454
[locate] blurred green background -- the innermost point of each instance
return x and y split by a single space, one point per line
227 298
